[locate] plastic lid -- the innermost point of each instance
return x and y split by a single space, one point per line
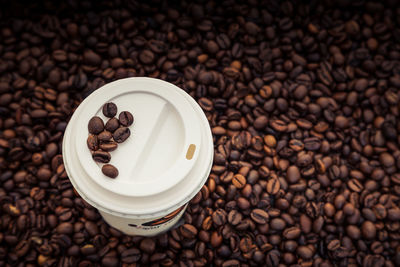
161 165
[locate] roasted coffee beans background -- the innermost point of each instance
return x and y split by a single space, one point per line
302 98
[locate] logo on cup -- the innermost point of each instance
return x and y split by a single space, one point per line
159 221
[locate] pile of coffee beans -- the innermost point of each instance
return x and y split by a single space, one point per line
103 139
302 98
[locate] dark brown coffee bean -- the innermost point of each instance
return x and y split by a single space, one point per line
231 263
110 109
341 122
101 156
91 58
293 174
121 134
96 125
205 104
125 118
387 160
353 231
348 209
131 255
259 216
234 217
305 252
261 122
112 125
108 146
312 143
355 185
273 186
292 233
93 142
146 56
279 125
272 258
147 245
394 214
219 217
278 224
333 245
65 228
109 170
22 248
188 231
104 136
368 230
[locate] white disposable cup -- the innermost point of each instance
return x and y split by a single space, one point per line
162 165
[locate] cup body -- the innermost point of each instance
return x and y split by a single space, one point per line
145 227
162 165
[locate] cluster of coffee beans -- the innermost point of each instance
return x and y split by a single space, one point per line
104 138
302 98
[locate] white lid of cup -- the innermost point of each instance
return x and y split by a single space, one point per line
170 144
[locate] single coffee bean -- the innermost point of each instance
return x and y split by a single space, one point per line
92 142
104 136
234 217
341 122
96 125
273 186
110 109
368 230
305 252
205 104
188 231
333 245
22 248
259 216
121 134
394 214
292 233
353 232
389 131
101 156
239 181
231 263
355 185
293 174
296 145
108 146
131 255
312 143
270 140
65 228
219 217
387 160
272 258
148 245
112 125
125 118
278 224
279 125
109 170
349 209
260 122
207 223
